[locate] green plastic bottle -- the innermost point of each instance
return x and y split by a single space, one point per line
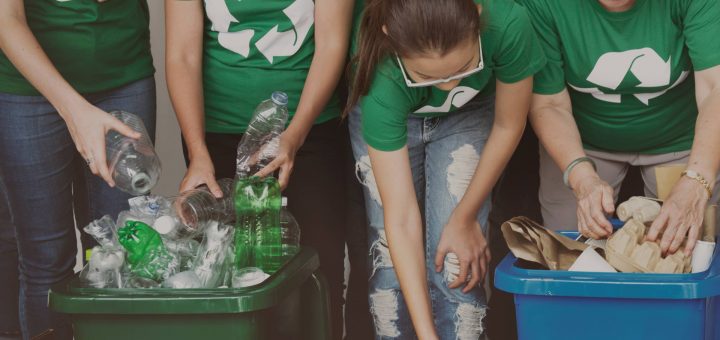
258 238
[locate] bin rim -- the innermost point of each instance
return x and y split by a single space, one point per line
512 279
68 297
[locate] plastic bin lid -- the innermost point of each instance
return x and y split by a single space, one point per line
516 280
69 297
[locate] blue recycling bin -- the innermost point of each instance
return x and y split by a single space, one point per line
561 305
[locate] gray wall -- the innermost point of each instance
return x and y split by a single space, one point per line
168 133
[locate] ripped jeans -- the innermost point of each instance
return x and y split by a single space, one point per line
444 152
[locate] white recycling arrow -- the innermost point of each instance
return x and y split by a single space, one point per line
221 18
458 97
282 44
644 63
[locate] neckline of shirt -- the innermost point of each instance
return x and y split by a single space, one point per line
624 15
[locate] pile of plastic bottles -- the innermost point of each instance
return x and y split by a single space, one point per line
195 240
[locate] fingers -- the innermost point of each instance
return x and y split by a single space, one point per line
692 239
671 229
440 258
285 171
270 168
474 277
583 225
657 226
100 162
462 277
123 129
678 239
597 221
214 187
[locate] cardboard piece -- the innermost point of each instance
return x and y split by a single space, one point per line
532 242
629 252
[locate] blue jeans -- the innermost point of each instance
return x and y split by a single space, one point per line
444 153
38 163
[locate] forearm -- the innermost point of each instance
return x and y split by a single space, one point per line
556 129
512 103
405 239
183 64
495 155
23 50
331 44
704 156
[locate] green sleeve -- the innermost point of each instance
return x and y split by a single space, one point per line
519 54
701 28
385 111
551 79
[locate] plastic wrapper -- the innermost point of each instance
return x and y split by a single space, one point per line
186 250
212 262
103 231
104 267
183 280
149 205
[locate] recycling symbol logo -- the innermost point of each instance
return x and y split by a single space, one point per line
645 64
274 43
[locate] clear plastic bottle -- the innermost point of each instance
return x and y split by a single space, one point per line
133 163
197 206
290 231
259 144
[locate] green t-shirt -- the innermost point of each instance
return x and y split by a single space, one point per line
252 48
629 74
95 46
510 51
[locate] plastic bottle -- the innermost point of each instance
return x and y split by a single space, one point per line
134 165
290 231
198 206
257 235
146 253
260 142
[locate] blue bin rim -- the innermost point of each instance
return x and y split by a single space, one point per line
515 280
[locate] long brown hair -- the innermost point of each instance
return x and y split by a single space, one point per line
414 27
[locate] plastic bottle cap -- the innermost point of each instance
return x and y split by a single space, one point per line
284 201
280 98
164 224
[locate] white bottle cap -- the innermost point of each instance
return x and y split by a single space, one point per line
164 224
284 201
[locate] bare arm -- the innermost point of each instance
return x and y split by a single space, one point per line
333 20
183 63
463 235
683 211
551 117
86 123
403 228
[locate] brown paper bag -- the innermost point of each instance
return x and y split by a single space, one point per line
532 242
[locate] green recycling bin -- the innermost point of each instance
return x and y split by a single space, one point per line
290 304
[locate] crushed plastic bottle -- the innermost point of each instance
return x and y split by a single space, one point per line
257 234
146 253
259 144
213 258
103 268
134 165
183 280
149 205
290 232
102 230
198 206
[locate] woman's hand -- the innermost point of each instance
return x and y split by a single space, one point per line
463 236
285 159
595 200
88 126
681 214
201 171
